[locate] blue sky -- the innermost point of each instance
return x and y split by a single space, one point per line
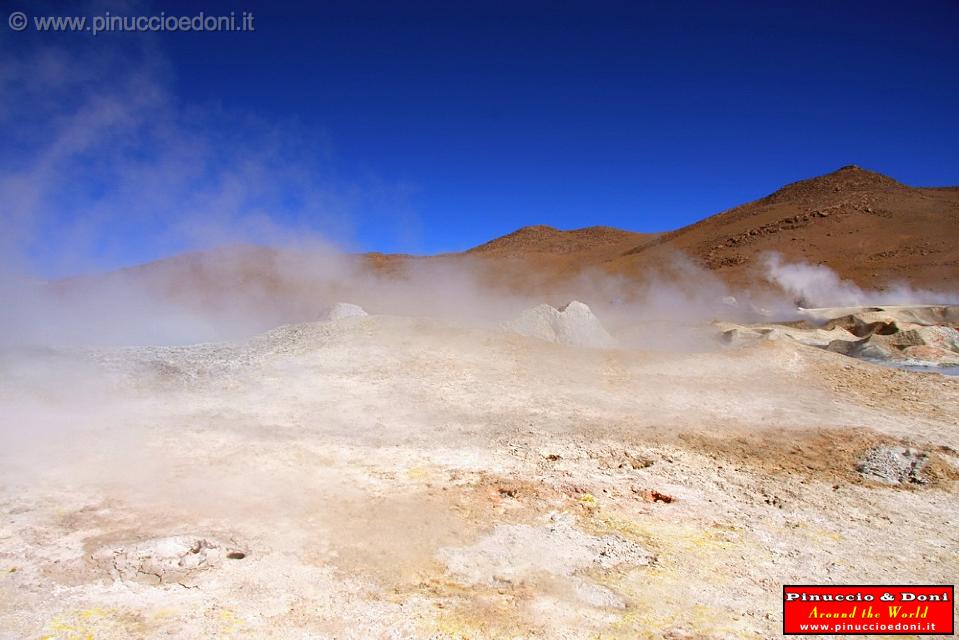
428 127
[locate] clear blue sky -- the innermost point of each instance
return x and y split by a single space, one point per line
478 118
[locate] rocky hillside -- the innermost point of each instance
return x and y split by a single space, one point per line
867 227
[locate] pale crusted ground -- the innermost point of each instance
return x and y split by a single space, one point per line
395 478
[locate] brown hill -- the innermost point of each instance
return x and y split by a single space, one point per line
540 258
545 239
866 226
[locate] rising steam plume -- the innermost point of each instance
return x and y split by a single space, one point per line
813 285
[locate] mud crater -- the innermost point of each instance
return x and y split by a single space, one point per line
166 560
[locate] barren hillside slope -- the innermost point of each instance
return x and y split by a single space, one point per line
866 226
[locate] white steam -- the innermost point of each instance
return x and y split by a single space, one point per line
106 166
813 285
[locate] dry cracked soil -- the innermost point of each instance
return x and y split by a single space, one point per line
390 477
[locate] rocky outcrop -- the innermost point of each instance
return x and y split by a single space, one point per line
923 336
938 345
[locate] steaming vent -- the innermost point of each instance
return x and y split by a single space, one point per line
342 310
573 324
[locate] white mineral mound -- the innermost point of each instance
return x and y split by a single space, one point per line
342 310
574 324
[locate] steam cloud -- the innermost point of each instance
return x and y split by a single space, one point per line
101 155
819 286
106 166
